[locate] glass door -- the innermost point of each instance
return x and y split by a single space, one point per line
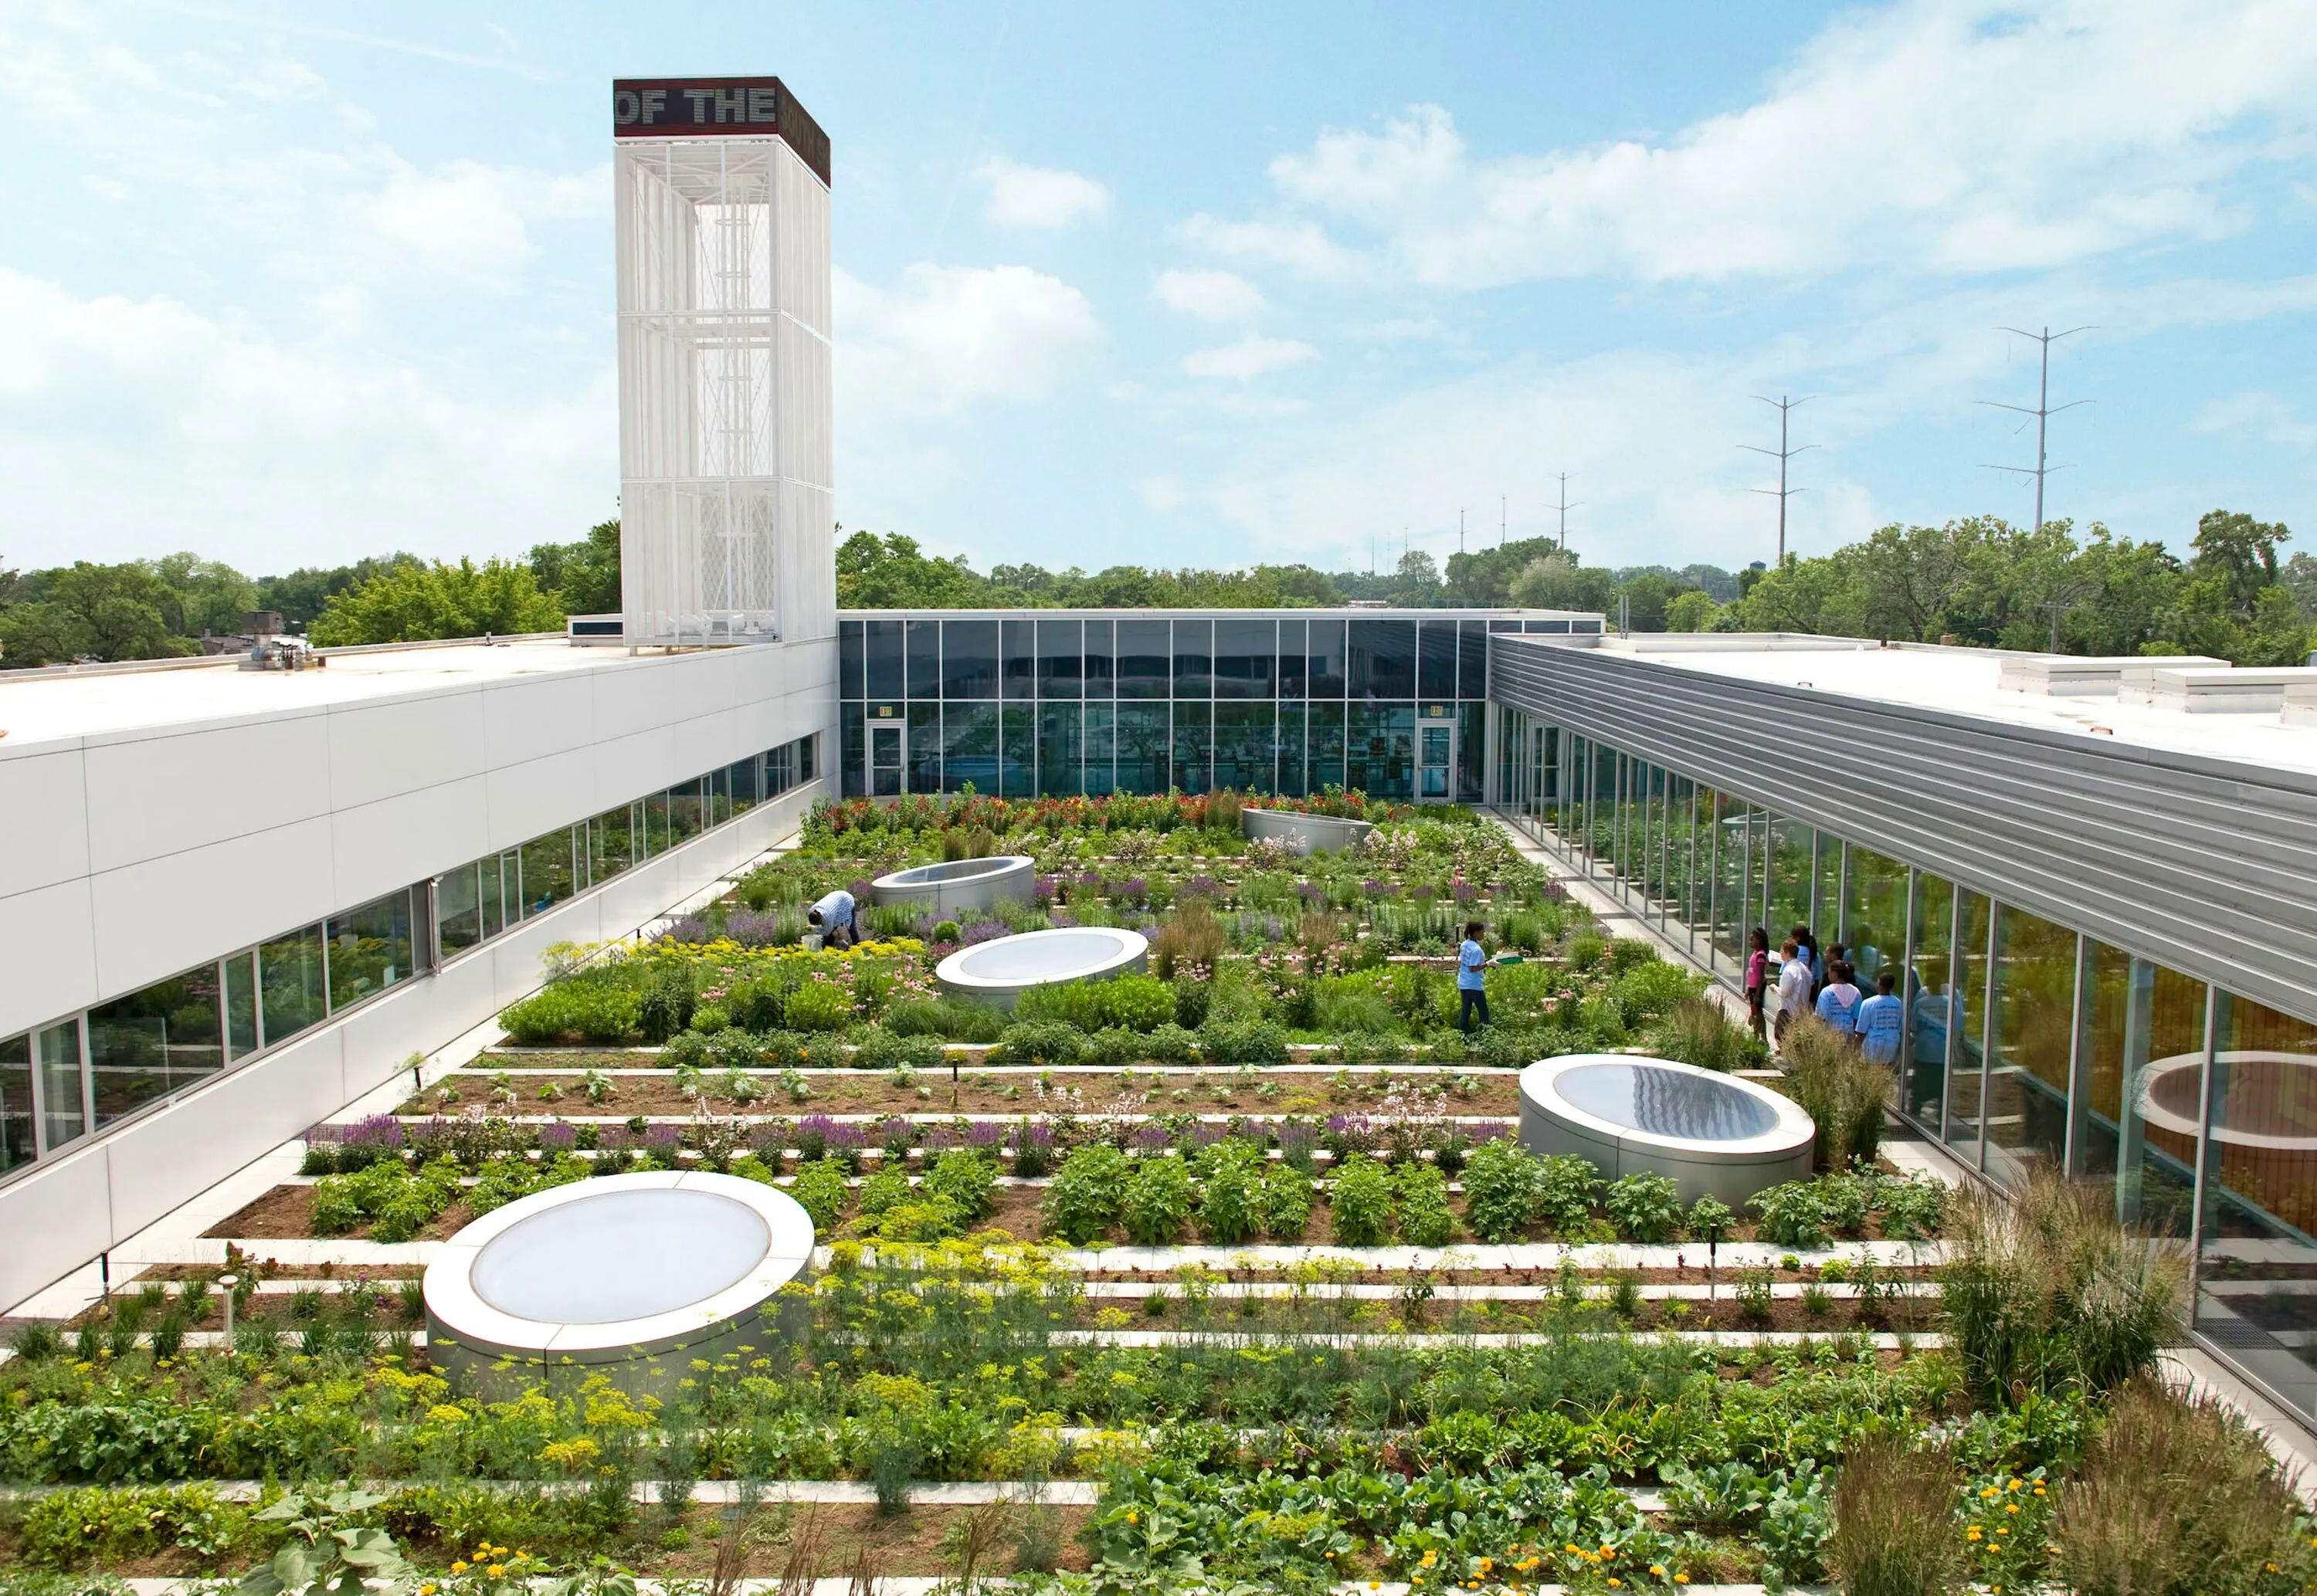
1436 762
885 759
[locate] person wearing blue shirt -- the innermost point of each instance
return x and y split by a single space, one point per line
1471 960
1881 1020
836 918
1838 1000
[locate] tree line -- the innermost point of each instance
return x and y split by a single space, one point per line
161 609
1978 582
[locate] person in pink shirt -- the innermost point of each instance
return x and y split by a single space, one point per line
1757 984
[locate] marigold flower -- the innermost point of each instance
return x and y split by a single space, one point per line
458 1567
1658 1569
495 1570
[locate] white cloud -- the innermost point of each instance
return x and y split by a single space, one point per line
1954 137
946 336
1210 296
1249 358
2264 413
136 426
1302 248
1040 196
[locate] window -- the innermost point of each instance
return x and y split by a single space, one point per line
1021 654
369 948
1194 659
1382 658
2035 1020
922 646
240 976
850 655
1061 658
1099 730
884 646
2148 1053
1144 753
1100 676
1290 750
1195 746
686 819
1247 657
1326 671
744 783
925 748
1472 659
1436 660
853 727
56 1059
1247 753
1323 745
970 747
1966 1057
1935 1008
1059 728
1294 661
1146 664
458 911
547 870
292 989
16 1145
1017 768
2260 1195
1380 748
969 659
149 1044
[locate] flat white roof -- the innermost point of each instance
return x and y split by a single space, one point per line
39 708
1963 681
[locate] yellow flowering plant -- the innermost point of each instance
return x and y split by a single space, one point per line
2004 1524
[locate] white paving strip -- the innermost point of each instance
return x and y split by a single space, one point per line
1882 1341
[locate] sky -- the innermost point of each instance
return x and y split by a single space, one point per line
288 284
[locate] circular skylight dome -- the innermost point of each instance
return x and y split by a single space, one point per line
961 883
1713 1134
1000 971
635 1275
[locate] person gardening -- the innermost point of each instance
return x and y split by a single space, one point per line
836 917
1471 989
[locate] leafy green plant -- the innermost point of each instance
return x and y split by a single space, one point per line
1157 1208
1087 1194
325 1551
1709 1218
1567 1185
1793 1215
1421 1192
1359 1202
1287 1202
1645 1208
72 1529
1230 1193
1912 1209
964 1179
817 1006
1502 1182
821 1189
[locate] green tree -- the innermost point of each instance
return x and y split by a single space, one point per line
408 603
892 572
209 596
298 596
1415 584
1557 582
1693 611
85 610
1643 599
584 577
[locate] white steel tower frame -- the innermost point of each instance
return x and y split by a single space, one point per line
727 457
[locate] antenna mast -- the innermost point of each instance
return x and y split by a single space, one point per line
1782 454
1560 544
2042 413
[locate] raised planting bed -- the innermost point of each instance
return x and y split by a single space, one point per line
948 890
1001 972
1303 836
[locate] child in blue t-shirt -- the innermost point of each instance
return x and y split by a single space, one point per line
1471 960
1881 1020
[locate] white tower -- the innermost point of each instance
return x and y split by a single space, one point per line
727 512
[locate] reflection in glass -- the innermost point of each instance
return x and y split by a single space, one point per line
853 739
1934 1009
1793 879
1966 1056
2163 1081
1194 746
1246 653
2034 1017
458 911
1100 675
1326 670
2257 1268
968 747
969 659
1146 664
1323 744
1017 764
850 658
1145 752
17 1145
1383 659
1471 752
1100 730
686 819
1379 749
1246 746
1472 659
1874 914
1061 660
64 1116
370 948
1294 659
1058 749
885 678
1194 659
240 972
151 1043
1435 660
923 647
1290 750
1019 649
925 748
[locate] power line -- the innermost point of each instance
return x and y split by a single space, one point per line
2042 413
1782 454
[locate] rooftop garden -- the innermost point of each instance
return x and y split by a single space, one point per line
1228 1277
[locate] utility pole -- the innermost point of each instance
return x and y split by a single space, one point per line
2042 413
1561 543
1501 523
1459 529
1782 454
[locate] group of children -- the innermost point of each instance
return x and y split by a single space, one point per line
1805 984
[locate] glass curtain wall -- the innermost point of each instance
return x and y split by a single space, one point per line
2028 1045
1055 706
